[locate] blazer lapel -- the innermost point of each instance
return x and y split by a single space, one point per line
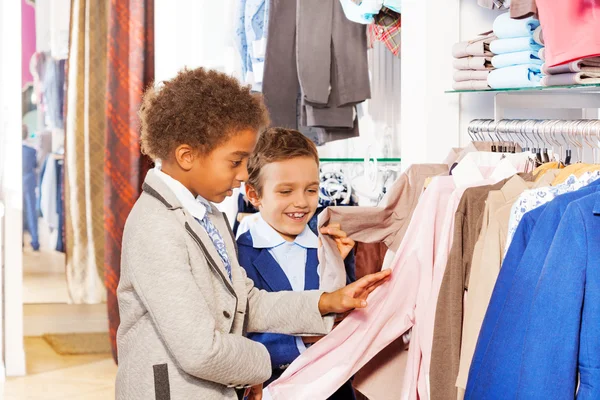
311 276
271 272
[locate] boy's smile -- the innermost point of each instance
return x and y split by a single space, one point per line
290 195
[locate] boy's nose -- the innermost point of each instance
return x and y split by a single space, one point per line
242 176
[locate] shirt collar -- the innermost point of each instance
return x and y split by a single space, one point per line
198 206
265 237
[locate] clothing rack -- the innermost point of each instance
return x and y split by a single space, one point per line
585 128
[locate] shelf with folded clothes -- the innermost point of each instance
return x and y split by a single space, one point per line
545 89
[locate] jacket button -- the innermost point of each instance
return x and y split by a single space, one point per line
226 314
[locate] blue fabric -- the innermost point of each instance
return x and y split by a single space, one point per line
505 27
518 58
362 13
527 75
217 240
30 214
502 46
494 372
240 39
394 5
267 275
565 312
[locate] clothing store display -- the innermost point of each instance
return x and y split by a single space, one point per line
313 81
527 75
280 80
387 223
30 214
366 11
534 198
577 78
501 46
496 370
474 63
493 4
583 65
393 309
332 63
523 9
572 305
505 27
571 29
471 85
250 39
449 312
386 28
476 47
470 75
517 58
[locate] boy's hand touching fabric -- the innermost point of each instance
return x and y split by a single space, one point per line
343 242
352 296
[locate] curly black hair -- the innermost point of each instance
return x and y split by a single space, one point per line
201 108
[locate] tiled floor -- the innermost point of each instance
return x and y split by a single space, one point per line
51 376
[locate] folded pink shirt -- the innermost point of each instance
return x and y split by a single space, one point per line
571 29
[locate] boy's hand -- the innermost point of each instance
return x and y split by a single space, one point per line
352 296
343 242
254 393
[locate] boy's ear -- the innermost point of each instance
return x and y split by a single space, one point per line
185 156
252 196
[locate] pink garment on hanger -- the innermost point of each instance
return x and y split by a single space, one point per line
321 370
416 376
571 29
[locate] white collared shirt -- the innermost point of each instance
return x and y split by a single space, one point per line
291 256
196 206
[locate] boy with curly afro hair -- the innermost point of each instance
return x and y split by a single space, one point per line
184 301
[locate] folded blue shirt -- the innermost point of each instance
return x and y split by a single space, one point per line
505 27
526 75
518 58
512 45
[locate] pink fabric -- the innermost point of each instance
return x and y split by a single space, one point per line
571 29
416 377
392 309
28 37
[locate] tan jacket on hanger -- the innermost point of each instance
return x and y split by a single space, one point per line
487 260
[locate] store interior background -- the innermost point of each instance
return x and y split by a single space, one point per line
409 117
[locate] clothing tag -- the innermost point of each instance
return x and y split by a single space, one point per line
259 48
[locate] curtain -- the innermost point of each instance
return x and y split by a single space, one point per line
130 71
84 151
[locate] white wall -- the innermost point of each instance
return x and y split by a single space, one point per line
193 33
11 184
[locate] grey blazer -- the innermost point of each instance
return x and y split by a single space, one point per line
182 320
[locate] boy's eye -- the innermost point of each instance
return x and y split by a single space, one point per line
285 191
236 163
313 191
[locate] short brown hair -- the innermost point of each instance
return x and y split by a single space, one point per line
202 108
278 144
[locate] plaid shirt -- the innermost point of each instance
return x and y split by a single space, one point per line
386 29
